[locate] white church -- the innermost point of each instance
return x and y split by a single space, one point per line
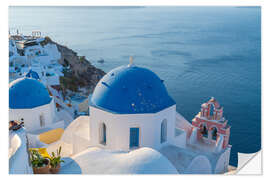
30 102
133 128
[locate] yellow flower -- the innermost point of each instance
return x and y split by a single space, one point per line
42 151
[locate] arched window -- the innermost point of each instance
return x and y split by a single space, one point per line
211 113
103 134
163 131
214 133
204 131
41 120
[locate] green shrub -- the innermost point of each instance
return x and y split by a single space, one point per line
55 159
37 160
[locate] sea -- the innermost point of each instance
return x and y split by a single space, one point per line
200 52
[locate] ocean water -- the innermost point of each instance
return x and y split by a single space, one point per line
199 52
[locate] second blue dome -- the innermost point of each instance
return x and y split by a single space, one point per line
27 93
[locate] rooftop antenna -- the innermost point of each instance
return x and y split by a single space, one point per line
130 61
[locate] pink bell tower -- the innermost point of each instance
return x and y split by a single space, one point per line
211 125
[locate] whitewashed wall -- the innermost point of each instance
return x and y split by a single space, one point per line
223 162
118 128
79 143
32 116
180 140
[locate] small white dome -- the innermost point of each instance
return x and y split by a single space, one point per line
98 161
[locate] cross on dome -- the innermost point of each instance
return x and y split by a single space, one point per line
130 61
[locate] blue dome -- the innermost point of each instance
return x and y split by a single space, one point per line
32 74
26 93
131 90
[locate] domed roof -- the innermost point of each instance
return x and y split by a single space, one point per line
131 90
32 74
95 160
26 93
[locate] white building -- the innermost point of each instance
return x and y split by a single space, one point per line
133 127
130 108
30 102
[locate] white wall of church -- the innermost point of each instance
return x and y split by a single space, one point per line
31 117
223 162
180 140
118 128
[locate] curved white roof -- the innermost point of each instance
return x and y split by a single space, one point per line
98 161
79 126
14 144
18 156
199 165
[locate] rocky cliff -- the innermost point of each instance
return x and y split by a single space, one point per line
79 73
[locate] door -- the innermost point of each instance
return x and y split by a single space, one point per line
134 138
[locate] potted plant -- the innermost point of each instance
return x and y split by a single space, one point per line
55 161
39 163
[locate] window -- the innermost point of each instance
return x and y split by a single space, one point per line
103 134
214 133
212 110
163 131
204 131
22 121
41 120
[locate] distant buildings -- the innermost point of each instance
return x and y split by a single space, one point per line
26 54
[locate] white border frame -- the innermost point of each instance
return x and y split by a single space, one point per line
4 63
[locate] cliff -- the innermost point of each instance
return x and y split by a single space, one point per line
79 73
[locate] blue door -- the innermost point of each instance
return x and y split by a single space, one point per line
134 138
